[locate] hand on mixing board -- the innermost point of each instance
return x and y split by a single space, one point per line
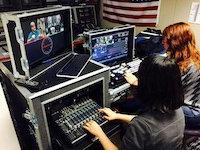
109 114
131 79
93 128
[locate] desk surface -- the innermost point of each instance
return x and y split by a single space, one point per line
8 138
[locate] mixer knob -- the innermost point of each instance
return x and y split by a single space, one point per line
112 83
123 64
112 75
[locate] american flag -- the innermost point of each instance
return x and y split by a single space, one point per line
137 12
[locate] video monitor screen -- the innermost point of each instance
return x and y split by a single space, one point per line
113 46
46 36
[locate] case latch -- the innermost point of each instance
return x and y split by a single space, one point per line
19 35
32 119
24 64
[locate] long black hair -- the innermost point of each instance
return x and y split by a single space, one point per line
159 84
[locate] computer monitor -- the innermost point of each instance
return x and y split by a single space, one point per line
47 36
113 46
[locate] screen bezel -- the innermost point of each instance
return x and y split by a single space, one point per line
66 18
131 43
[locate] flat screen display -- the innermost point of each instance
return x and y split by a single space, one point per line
46 36
113 46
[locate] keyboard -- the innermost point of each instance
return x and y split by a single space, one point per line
70 120
74 67
134 65
117 72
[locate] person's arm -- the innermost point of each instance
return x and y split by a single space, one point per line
125 118
96 130
111 115
106 143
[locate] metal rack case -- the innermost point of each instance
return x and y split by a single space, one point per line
12 23
29 109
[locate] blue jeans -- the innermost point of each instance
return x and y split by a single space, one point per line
192 117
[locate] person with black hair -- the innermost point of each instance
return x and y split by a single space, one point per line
161 125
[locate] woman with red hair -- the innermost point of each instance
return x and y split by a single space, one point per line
179 41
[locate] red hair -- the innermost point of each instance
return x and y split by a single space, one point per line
181 45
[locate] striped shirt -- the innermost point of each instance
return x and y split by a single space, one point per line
191 86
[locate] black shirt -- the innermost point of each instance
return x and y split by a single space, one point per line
155 131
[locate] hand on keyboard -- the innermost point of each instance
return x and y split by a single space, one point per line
109 114
71 119
93 128
130 78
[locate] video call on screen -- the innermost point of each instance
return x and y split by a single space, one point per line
43 37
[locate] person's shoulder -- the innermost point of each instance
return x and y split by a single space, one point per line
136 135
30 34
147 128
192 74
141 122
192 69
179 112
37 31
138 129
154 121
179 116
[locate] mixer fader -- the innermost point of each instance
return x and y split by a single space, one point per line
71 119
